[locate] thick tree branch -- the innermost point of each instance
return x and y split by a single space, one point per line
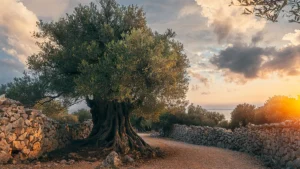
50 98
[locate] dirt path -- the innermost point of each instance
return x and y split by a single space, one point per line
186 156
178 156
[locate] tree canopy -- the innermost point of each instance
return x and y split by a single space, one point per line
108 53
272 9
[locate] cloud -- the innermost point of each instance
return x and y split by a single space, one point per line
222 28
203 66
286 61
189 10
10 68
241 59
199 77
242 62
258 37
17 25
228 20
10 63
294 38
47 8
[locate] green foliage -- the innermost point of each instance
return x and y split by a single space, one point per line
224 124
151 110
106 51
66 119
204 117
260 116
141 66
166 121
56 110
51 108
27 89
80 40
83 115
281 108
196 116
276 109
140 123
3 89
148 116
195 110
242 115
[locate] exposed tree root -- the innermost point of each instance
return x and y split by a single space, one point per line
112 130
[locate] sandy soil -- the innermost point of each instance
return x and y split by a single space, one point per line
178 156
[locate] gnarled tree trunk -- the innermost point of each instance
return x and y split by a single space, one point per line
112 129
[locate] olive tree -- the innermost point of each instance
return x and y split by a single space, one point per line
106 54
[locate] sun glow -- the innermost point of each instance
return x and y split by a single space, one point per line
282 108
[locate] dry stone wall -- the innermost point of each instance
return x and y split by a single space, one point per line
277 145
27 134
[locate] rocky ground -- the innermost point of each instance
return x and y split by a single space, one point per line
178 156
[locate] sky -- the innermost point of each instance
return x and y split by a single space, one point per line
233 58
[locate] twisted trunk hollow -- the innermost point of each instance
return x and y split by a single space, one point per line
112 129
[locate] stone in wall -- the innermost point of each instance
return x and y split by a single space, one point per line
27 134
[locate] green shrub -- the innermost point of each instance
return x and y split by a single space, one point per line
3 89
276 109
56 110
141 124
281 108
196 116
51 108
242 115
66 119
166 121
200 117
224 124
260 116
83 115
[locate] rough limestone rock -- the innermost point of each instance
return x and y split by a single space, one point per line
4 157
28 134
128 159
112 160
